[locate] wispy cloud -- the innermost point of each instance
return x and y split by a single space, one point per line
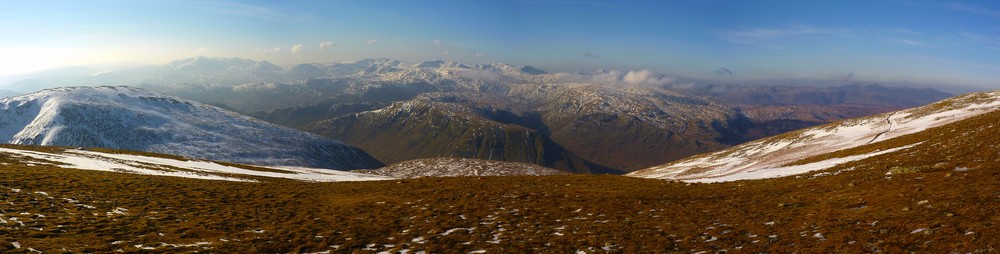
267 50
906 31
248 10
974 9
591 55
774 34
980 38
201 50
371 42
905 42
446 52
295 49
326 44
480 54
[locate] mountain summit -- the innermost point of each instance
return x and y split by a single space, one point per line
135 119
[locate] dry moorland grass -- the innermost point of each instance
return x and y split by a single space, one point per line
943 196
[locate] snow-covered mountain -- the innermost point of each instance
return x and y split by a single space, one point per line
822 147
135 119
436 167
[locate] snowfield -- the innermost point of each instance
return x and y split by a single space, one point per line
147 165
769 157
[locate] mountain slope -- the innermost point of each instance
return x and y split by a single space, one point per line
134 119
453 125
629 128
810 149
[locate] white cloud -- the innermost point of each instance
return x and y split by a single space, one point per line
635 78
438 43
446 52
909 42
646 77
295 49
201 50
267 50
326 44
480 54
760 35
371 42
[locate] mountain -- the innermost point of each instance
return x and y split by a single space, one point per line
587 128
912 131
439 167
135 119
468 125
630 127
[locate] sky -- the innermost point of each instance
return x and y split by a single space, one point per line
933 43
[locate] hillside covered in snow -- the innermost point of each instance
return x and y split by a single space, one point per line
135 119
817 148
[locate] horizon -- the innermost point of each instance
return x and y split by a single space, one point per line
940 45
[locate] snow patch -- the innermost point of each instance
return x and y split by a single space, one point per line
147 165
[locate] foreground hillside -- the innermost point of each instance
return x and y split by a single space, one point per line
939 196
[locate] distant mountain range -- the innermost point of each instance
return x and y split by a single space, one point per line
135 119
858 94
579 122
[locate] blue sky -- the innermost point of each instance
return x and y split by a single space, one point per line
919 42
